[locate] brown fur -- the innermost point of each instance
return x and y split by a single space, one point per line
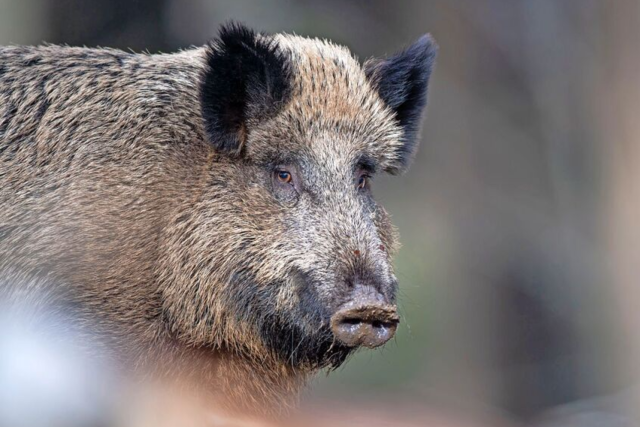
111 190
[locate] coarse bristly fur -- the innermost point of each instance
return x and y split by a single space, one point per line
149 190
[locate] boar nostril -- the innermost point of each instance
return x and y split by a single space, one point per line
369 325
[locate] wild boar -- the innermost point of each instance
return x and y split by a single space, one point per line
210 211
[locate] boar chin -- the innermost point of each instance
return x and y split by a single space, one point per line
300 348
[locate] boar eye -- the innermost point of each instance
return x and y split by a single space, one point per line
363 181
284 176
286 184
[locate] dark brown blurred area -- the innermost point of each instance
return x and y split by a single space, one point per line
520 266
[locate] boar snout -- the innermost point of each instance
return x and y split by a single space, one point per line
367 319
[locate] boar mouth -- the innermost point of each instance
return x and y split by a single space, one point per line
300 348
298 336
301 336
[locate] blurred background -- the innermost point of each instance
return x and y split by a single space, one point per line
520 264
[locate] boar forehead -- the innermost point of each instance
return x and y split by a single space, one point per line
333 112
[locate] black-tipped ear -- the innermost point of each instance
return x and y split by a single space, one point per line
402 81
246 80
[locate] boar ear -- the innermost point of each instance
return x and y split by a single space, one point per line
401 81
246 80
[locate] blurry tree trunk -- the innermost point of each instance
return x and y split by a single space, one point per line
23 21
125 24
621 96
